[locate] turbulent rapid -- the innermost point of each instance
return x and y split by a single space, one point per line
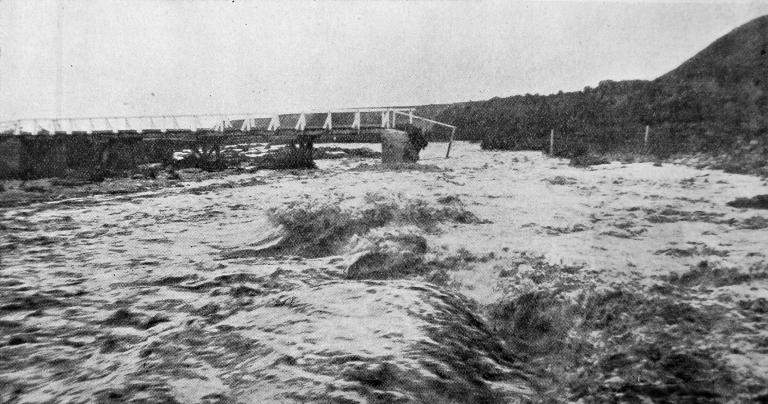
488 277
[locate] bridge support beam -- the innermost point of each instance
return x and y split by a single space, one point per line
328 121
356 121
247 125
301 124
385 119
274 123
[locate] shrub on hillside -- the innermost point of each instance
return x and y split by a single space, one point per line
684 117
586 160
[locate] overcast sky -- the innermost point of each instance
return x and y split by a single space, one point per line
174 56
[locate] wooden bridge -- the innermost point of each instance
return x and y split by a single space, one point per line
38 147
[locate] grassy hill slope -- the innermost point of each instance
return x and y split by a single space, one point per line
715 102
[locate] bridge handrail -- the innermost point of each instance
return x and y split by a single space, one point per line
213 115
213 121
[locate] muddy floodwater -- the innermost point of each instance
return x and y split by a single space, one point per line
486 277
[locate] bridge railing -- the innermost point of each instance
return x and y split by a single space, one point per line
350 118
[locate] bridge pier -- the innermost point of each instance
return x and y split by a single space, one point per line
129 152
398 147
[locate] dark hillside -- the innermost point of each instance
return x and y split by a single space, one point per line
714 102
738 57
431 111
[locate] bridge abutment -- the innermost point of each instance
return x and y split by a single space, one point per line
42 156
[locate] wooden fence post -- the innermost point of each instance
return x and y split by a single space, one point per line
450 142
645 140
552 142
